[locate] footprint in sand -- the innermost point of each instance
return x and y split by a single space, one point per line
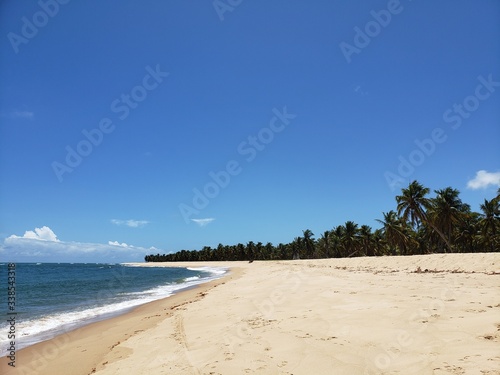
282 364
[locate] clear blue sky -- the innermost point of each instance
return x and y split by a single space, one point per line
359 81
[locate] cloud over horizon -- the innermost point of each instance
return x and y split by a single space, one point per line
203 222
483 179
42 234
130 223
42 245
116 243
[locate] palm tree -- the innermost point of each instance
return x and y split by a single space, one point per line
207 252
413 206
251 251
419 226
366 239
324 243
309 242
412 203
467 233
378 242
350 238
259 248
447 210
269 250
283 251
240 250
337 234
490 222
296 246
394 232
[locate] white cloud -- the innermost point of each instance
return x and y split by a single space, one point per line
116 243
484 179
42 245
41 234
203 222
130 223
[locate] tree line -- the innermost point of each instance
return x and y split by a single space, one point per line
418 225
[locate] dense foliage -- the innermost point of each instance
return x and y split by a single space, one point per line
420 225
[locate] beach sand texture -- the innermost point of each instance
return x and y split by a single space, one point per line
430 314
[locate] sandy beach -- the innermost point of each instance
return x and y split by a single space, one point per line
432 314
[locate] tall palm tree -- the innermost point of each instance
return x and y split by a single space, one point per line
413 206
366 240
283 251
350 238
337 234
447 210
240 249
251 251
309 242
394 232
259 248
269 250
207 252
467 233
324 244
296 246
378 242
490 222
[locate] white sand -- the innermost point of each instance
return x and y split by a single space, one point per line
336 316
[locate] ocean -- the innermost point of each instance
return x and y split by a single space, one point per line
51 298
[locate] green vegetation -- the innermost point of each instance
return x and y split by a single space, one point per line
421 225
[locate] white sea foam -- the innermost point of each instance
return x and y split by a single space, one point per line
192 278
212 270
32 331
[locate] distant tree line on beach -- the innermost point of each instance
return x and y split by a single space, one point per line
418 225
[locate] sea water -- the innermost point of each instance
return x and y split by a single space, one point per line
51 298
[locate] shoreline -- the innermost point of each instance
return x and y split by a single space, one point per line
69 320
95 339
377 315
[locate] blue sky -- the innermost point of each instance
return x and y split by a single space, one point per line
113 115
